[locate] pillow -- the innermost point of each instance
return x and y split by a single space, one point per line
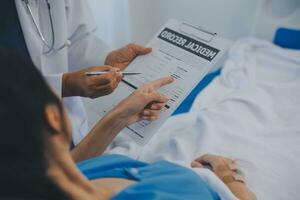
287 38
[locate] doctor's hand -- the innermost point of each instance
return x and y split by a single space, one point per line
145 103
78 84
121 58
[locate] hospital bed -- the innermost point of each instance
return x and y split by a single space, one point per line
280 28
257 125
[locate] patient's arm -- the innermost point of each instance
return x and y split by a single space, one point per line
241 191
95 143
226 170
144 104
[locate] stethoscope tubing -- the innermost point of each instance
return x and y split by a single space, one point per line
44 41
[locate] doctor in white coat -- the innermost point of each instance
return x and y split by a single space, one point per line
59 36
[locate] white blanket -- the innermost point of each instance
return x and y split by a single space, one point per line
250 113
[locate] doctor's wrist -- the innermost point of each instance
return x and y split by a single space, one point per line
66 86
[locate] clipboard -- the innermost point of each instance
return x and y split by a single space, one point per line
181 50
202 34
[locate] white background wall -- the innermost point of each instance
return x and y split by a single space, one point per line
123 21
220 16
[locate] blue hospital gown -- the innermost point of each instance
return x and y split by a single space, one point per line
160 180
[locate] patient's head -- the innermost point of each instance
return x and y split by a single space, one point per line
29 114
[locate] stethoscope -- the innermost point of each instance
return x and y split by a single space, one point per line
50 46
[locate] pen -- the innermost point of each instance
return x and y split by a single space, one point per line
96 73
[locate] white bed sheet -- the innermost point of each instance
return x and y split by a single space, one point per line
251 113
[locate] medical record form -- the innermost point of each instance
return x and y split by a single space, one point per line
180 50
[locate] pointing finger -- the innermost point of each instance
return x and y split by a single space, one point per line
162 82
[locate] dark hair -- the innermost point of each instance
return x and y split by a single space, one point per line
23 97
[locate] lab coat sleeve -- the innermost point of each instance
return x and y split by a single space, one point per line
55 82
86 48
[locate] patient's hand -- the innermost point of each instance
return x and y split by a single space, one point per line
221 166
145 103
226 170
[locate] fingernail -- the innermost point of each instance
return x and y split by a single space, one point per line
196 164
146 112
154 107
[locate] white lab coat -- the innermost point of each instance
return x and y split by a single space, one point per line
72 21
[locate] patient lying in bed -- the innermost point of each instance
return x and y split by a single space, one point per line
250 113
36 162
